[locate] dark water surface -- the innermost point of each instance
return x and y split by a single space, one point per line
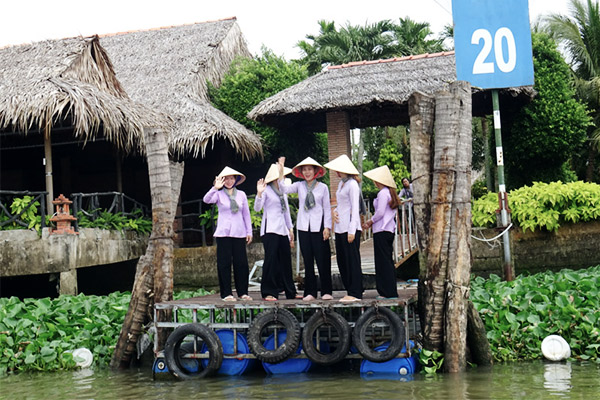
526 380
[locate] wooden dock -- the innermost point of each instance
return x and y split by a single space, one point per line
407 295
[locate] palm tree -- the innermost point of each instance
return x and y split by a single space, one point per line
383 39
580 37
412 38
350 43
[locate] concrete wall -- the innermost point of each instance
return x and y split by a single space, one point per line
572 246
23 252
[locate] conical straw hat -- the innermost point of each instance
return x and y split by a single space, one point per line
342 164
382 175
230 171
297 170
273 173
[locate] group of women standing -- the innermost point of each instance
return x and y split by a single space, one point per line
315 221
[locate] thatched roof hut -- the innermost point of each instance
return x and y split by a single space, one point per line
374 93
167 69
48 82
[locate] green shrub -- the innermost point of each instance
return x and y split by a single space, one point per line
543 205
116 222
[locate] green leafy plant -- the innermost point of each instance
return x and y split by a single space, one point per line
431 361
479 189
255 216
390 156
29 214
483 210
543 205
116 221
519 314
208 218
36 334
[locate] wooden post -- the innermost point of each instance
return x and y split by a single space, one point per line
442 191
459 246
48 169
119 172
448 261
421 109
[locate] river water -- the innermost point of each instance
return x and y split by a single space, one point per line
525 380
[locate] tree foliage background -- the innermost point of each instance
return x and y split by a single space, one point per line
579 36
250 81
541 138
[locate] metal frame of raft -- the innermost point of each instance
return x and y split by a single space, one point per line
244 316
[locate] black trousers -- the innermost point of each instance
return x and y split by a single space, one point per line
348 259
232 249
314 248
385 271
277 266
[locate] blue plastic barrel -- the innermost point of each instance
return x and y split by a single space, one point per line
232 366
395 366
160 366
289 366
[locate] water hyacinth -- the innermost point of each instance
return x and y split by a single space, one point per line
518 315
36 334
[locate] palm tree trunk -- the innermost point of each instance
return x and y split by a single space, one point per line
439 225
154 274
448 263
421 108
459 246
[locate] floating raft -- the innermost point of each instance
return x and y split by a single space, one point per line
210 333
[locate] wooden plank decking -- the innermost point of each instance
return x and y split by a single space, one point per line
407 295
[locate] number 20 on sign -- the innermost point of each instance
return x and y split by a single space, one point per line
493 42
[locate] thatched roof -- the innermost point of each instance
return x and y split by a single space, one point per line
375 93
167 69
45 82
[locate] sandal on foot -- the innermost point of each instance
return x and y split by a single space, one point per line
298 296
326 297
228 298
245 297
270 298
310 297
349 299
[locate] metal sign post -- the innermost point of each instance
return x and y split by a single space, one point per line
493 50
502 197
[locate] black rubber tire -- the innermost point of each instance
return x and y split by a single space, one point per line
339 323
287 348
208 337
359 334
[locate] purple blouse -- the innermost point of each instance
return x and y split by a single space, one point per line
347 207
384 216
310 220
236 225
274 220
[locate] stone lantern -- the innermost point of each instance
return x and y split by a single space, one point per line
62 217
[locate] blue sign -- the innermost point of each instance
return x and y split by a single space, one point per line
492 40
